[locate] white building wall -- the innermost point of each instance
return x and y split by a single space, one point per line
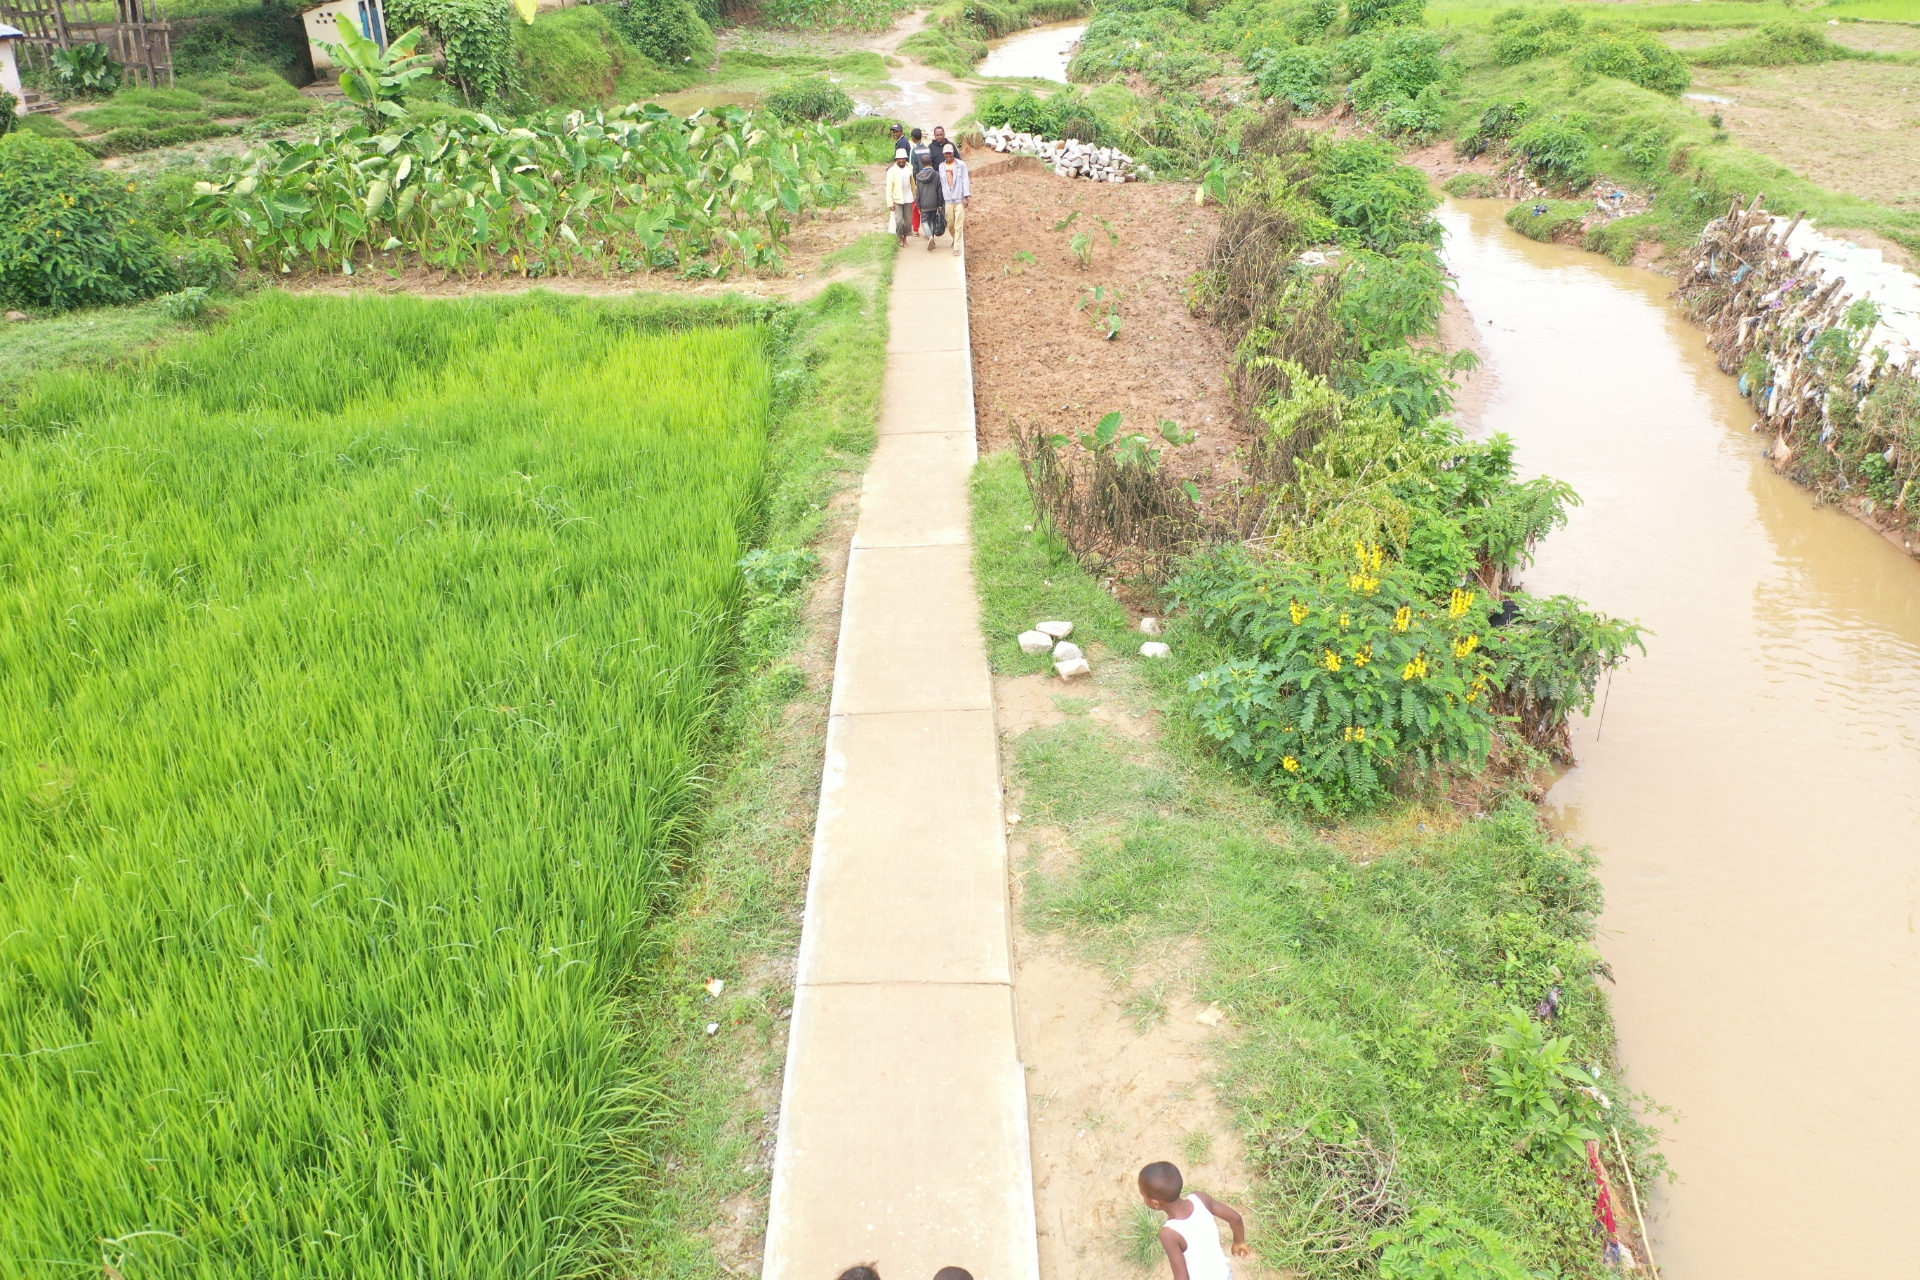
10 69
323 26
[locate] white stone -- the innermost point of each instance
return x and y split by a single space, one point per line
1067 651
1035 642
1058 630
1154 649
1151 627
1073 670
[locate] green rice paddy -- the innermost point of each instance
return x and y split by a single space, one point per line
355 664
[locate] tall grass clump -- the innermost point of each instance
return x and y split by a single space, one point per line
357 659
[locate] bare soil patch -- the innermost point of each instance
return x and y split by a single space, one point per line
1849 126
1038 357
1119 1066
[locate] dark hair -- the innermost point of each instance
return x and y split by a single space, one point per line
940 128
861 1271
1162 1181
914 134
953 1273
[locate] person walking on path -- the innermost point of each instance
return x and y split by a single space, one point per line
955 189
900 196
940 147
1189 1236
899 137
932 203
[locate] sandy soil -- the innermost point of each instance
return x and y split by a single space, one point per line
1108 1092
1040 360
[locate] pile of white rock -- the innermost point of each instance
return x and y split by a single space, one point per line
1068 158
1069 663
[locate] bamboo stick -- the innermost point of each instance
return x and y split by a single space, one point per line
1639 1217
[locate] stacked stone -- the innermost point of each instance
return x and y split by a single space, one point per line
1066 157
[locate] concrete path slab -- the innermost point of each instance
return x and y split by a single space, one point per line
899 1143
916 491
909 878
903 1120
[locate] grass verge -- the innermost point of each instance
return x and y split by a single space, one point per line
1364 966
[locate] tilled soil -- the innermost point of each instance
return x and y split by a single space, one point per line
1041 360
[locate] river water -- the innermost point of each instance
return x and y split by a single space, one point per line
1040 54
1753 788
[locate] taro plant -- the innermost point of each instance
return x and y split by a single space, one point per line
1104 300
1343 679
87 70
638 186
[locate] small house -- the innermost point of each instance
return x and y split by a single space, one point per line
323 20
10 41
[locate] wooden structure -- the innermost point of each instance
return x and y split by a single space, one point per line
135 36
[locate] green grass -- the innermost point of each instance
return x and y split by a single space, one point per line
358 662
93 338
1704 16
1527 218
1362 965
1693 171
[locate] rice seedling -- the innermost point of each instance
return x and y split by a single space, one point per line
355 661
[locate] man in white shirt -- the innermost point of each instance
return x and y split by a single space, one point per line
900 196
955 186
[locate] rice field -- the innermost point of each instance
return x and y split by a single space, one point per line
355 659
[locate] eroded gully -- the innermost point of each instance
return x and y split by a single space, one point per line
1753 787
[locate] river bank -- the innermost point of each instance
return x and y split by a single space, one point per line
1749 785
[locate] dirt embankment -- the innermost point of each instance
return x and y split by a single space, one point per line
1041 356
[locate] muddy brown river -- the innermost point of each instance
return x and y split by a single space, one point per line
1753 788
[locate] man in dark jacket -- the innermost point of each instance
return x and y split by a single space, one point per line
931 201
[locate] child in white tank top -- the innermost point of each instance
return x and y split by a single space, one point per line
1190 1235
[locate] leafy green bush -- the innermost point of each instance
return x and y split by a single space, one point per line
1399 64
1473 186
1367 190
1497 123
1435 1245
73 236
814 98
198 263
1065 114
1418 120
670 32
475 37
1301 75
8 103
1639 57
1365 15
1775 45
1160 44
1521 35
87 70
265 38
1556 149
1348 677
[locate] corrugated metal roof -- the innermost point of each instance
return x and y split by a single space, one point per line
11 33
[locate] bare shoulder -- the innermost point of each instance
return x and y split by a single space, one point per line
1218 1208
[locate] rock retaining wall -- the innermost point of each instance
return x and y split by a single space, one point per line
1068 158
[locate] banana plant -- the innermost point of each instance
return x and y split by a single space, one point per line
375 79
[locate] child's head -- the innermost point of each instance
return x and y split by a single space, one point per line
861 1271
953 1273
1161 1185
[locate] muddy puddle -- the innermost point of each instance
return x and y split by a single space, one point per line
1039 54
1752 785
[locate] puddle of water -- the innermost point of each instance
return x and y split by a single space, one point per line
1714 98
1039 54
1755 795
689 101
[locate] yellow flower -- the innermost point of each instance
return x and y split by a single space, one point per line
1298 612
1333 660
1403 617
1356 733
1290 764
1346 619
1465 645
1415 670
1363 657
1461 602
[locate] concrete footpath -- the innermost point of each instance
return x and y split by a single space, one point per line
903 1123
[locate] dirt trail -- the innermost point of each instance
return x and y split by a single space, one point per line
1119 1067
